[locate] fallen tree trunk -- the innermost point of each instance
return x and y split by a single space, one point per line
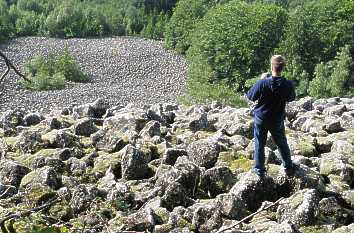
10 66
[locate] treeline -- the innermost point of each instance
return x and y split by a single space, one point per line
228 43
84 18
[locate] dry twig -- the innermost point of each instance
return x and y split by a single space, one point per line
26 213
10 66
251 215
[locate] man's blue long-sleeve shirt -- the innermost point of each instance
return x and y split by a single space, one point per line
272 94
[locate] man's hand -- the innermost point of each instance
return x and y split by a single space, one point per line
264 75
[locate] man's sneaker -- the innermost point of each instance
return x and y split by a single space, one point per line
291 171
258 173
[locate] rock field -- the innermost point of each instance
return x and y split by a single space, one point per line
122 70
170 168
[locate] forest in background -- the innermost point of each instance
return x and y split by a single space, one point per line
228 43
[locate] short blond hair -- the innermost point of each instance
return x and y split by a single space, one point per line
278 62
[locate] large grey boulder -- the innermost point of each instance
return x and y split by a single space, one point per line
126 119
185 173
32 119
344 147
134 163
231 206
204 152
332 212
141 221
304 177
46 176
171 154
253 190
217 180
336 110
206 217
109 140
28 142
175 195
11 173
76 166
151 129
41 161
60 139
96 109
10 119
85 127
82 197
336 164
345 229
282 228
300 209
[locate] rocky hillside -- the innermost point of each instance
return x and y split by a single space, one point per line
169 168
121 70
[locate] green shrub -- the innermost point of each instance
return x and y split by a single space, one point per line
314 34
43 82
37 6
28 23
6 28
65 20
182 23
199 90
334 78
155 27
93 22
51 72
114 15
233 43
66 65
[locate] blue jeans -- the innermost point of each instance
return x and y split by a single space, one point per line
277 131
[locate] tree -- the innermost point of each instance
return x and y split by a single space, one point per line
6 28
182 23
334 78
235 41
314 33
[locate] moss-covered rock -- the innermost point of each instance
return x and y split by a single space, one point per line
345 229
235 161
38 194
45 176
61 211
162 215
300 209
104 161
11 143
164 228
315 229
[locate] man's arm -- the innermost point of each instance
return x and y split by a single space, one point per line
255 92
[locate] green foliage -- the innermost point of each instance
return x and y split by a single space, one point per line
66 65
120 204
156 26
28 23
314 33
6 28
334 78
231 44
199 90
182 23
37 6
50 73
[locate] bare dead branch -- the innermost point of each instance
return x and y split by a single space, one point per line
26 213
250 216
10 65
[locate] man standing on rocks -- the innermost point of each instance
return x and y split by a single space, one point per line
272 92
